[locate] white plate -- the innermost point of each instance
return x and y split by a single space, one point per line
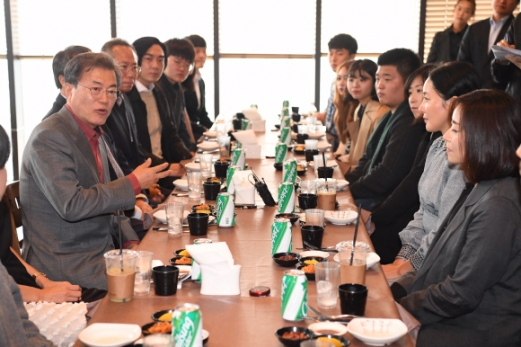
340 185
377 331
193 167
160 215
319 328
372 259
181 184
341 217
109 335
315 136
210 133
208 145
314 254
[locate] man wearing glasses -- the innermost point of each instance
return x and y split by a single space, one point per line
66 192
179 75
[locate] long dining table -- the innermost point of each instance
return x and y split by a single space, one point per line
244 320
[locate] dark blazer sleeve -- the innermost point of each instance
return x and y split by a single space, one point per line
464 53
433 52
482 262
396 162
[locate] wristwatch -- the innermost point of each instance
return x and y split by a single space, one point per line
36 274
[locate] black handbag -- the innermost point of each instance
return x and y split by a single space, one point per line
262 189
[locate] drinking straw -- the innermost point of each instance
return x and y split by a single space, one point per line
325 174
356 234
120 240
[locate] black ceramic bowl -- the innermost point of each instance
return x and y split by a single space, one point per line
331 338
310 275
278 166
277 126
318 259
291 342
158 315
286 263
293 217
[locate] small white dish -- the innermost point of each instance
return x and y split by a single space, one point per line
323 145
315 136
340 185
341 217
109 335
372 259
160 215
193 167
181 184
210 133
327 328
208 145
329 163
314 254
377 331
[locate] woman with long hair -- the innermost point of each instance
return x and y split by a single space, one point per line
366 116
466 292
345 108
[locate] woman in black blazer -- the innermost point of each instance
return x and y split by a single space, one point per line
466 293
445 45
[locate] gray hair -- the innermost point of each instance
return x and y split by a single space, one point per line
109 45
88 61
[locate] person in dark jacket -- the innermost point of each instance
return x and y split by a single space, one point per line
179 68
445 45
505 72
391 149
58 66
195 96
156 132
477 42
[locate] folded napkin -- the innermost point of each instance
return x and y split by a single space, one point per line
244 190
245 136
252 114
220 276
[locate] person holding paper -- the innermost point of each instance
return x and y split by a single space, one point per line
505 72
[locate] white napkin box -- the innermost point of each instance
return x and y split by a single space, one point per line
253 150
259 126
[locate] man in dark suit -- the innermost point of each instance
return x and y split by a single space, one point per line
178 70
505 72
196 99
391 149
481 36
66 191
156 132
58 65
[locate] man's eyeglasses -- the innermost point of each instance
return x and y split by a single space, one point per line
97 92
129 68
184 64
